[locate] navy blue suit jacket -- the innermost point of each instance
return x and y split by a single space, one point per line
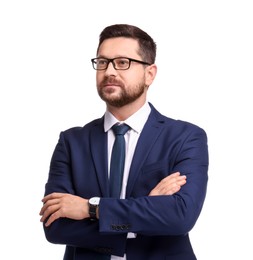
79 166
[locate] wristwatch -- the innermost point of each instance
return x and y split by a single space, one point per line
93 205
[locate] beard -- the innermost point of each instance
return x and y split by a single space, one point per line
124 96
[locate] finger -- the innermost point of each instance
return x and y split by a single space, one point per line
169 190
53 195
164 182
172 190
170 180
171 186
49 211
166 185
175 174
181 182
48 204
171 177
52 218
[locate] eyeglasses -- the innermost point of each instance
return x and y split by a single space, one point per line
119 63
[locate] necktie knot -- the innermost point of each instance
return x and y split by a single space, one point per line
120 129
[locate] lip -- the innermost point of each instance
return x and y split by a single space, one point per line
111 85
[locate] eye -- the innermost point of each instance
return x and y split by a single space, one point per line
122 62
101 62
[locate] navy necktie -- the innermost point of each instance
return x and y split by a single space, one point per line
117 159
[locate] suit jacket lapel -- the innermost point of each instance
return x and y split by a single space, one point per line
98 141
148 137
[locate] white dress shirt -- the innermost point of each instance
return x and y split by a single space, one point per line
136 122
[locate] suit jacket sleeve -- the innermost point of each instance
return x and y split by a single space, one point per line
68 165
182 148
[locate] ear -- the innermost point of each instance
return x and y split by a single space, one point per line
150 74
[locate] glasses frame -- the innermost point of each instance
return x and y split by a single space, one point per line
114 65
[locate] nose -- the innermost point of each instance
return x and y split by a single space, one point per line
110 69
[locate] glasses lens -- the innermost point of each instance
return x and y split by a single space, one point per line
100 64
121 63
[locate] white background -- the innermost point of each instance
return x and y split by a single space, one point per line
47 84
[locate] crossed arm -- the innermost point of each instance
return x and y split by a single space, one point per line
63 205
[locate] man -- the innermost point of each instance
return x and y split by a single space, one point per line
164 173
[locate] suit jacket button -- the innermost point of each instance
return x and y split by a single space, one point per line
117 227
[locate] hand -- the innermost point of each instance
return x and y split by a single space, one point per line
169 185
63 205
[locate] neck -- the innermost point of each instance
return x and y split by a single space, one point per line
122 113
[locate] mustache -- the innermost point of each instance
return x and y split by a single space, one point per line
111 80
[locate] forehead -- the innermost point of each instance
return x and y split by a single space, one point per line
119 47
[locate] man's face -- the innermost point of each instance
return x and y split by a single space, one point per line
121 87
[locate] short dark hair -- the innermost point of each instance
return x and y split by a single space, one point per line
147 46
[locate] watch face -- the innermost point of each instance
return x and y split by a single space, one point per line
94 200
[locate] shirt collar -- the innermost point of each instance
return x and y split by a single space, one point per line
135 121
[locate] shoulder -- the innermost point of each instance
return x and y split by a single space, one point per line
83 130
175 125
